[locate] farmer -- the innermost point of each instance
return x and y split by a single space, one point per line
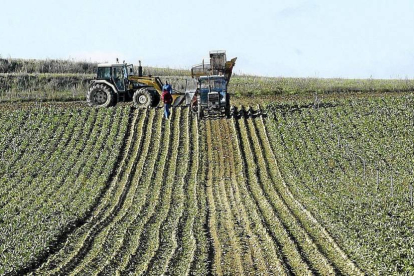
167 99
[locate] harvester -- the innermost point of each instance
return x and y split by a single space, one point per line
117 83
211 96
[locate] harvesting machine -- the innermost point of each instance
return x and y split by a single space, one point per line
211 96
117 83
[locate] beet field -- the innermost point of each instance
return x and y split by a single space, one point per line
299 188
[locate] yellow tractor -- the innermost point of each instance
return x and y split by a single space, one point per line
116 83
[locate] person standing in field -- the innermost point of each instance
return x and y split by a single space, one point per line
167 99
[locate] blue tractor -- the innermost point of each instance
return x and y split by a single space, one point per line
211 98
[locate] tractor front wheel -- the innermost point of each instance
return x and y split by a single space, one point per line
227 108
200 111
100 95
144 98
194 105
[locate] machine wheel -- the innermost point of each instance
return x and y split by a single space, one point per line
200 111
156 99
100 95
143 98
228 113
194 105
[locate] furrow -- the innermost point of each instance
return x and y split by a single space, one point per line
117 238
230 240
291 254
71 184
149 238
144 196
203 256
108 241
183 255
270 246
306 245
321 236
31 159
25 154
212 215
253 260
110 202
92 237
169 227
64 150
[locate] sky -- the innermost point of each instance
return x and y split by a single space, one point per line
280 38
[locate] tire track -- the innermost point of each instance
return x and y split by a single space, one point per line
233 265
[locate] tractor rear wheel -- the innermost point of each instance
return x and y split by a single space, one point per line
101 95
144 98
156 99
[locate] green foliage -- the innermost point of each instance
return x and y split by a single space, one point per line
54 165
253 85
65 80
350 163
43 87
29 66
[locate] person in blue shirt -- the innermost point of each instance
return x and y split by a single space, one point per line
167 87
167 99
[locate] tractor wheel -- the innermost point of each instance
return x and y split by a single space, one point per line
228 113
194 105
200 111
156 99
101 95
143 98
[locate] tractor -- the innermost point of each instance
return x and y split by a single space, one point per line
116 83
211 96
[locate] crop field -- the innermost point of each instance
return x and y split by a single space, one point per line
66 80
304 188
351 164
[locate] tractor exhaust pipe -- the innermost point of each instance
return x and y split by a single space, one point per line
139 69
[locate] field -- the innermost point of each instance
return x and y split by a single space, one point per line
57 80
315 182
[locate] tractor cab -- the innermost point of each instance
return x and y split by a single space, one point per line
213 93
211 96
116 74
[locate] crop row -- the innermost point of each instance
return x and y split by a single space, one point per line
180 196
52 172
350 164
134 227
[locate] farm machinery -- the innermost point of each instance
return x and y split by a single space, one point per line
117 83
211 96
